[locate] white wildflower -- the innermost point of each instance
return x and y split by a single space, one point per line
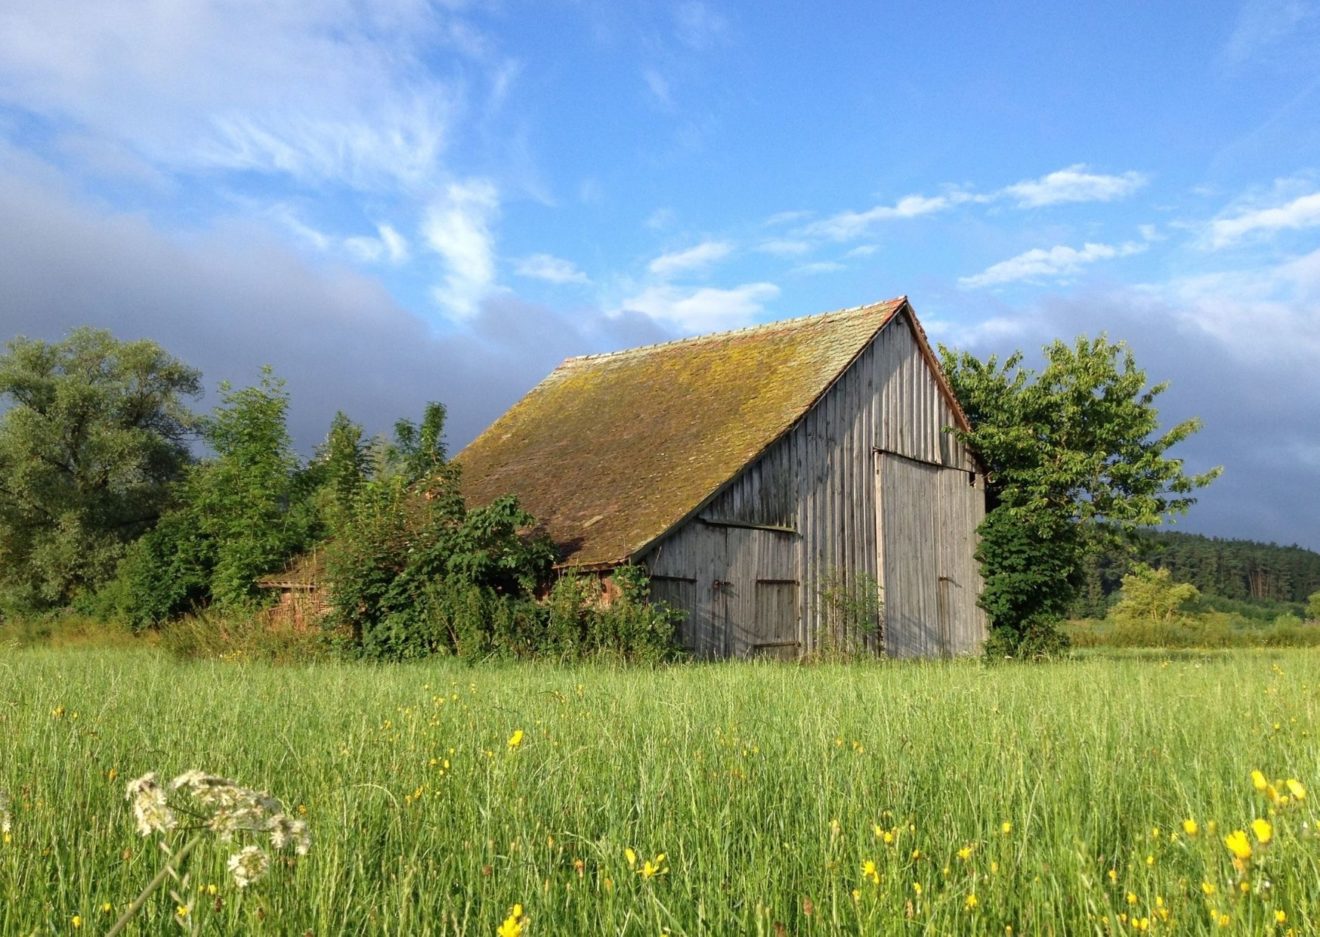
153 814
6 820
248 865
286 831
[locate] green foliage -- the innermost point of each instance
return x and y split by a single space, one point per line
1075 458
1152 596
1254 578
240 499
1028 581
1313 606
95 432
852 616
242 513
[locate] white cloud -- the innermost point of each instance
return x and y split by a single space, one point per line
699 27
820 266
388 245
851 224
661 218
1301 212
784 247
318 91
702 255
658 85
785 217
551 269
703 310
1073 184
458 228
862 250
1052 264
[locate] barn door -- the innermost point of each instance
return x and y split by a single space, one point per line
760 590
916 602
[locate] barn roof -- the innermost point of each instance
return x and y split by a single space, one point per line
611 451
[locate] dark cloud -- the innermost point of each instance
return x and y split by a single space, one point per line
233 298
1256 397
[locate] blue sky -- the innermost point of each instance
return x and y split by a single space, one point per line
400 201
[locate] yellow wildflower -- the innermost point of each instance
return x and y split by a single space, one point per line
106 907
513 924
1295 788
965 853
856 895
870 872
1258 781
1113 875
516 739
1281 916
1263 830
1238 844
1223 920
1006 827
631 857
916 889
970 902
1131 898
653 867
1208 888
1190 827
76 921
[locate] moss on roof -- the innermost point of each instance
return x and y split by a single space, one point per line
611 451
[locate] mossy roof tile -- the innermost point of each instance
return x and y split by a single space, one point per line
611 451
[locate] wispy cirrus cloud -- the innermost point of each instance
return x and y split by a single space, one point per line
551 269
847 225
693 258
317 92
1074 183
388 245
1300 212
457 228
1052 263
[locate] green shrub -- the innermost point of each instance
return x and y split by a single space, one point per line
852 614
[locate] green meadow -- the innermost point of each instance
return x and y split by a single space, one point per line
1089 796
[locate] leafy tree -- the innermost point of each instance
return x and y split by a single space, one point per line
408 559
241 499
1075 457
241 513
1151 596
418 450
1313 606
95 432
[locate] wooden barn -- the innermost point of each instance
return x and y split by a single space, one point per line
754 471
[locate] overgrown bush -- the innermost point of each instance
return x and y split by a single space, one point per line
852 616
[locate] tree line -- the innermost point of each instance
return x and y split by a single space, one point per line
1263 575
106 508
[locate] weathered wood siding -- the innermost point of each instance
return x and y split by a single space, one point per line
927 520
813 493
739 586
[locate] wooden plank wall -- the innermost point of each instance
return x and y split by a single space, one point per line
819 480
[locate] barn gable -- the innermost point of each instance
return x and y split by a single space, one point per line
611 451
746 469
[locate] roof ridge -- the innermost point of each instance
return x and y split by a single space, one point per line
729 333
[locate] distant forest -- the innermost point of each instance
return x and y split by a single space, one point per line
1246 571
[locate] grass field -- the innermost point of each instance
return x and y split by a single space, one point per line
1047 799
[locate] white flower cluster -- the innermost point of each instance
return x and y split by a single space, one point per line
224 808
150 809
6 820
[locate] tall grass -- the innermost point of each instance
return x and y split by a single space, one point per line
767 787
